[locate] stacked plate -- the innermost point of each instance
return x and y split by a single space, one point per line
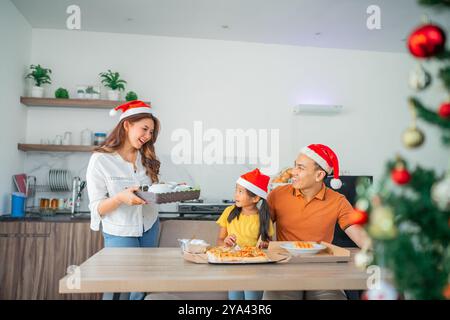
59 180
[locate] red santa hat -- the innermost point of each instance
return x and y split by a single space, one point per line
131 108
255 182
326 159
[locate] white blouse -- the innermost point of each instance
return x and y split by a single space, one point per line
108 174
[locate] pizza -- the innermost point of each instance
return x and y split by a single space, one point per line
231 255
303 245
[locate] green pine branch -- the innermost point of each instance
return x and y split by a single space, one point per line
444 75
433 117
432 3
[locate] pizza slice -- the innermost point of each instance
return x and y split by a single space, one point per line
244 255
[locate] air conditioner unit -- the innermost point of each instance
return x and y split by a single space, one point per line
317 109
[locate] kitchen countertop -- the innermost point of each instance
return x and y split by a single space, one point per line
85 217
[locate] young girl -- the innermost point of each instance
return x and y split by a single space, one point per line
125 161
243 224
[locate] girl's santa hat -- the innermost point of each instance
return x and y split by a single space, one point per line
130 109
255 182
326 159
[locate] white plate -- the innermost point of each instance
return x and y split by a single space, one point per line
58 185
65 180
51 177
293 250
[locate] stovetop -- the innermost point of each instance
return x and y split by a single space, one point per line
204 206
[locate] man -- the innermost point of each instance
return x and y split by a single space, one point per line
307 210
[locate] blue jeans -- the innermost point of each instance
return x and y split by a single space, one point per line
149 239
245 295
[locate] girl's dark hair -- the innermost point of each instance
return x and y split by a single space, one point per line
264 216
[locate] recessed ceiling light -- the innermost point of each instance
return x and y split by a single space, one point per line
318 33
225 26
130 19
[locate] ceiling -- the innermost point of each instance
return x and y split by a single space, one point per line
315 23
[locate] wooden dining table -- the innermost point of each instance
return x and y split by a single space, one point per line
165 270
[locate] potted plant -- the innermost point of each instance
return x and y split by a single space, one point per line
112 81
81 91
40 76
61 93
131 95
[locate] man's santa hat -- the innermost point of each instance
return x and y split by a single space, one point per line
326 159
130 109
255 182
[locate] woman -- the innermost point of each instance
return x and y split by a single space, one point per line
125 161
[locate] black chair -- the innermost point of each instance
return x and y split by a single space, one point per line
341 239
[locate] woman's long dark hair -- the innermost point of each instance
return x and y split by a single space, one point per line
264 216
117 137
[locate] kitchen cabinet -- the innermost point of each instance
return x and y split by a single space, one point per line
35 255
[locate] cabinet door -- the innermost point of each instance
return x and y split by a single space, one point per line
33 249
72 244
10 259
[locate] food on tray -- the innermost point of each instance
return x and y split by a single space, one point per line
230 254
303 245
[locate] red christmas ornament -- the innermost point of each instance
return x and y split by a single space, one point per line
400 175
426 41
359 217
444 110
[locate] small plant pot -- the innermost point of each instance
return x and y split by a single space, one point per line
81 95
113 95
88 95
95 96
37 92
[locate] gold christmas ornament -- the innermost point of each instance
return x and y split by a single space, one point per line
382 225
413 137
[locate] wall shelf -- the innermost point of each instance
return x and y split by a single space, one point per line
70 103
53 148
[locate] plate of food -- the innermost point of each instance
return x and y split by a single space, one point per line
233 255
297 248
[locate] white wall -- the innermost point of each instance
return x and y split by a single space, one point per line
15 44
237 85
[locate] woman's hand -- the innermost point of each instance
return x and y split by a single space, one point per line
128 197
230 240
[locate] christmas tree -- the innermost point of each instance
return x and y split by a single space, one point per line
407 213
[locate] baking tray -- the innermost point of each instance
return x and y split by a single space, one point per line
168 196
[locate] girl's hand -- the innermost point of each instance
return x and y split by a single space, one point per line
230 240
128 197
263 245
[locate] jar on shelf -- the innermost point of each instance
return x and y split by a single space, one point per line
99 138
